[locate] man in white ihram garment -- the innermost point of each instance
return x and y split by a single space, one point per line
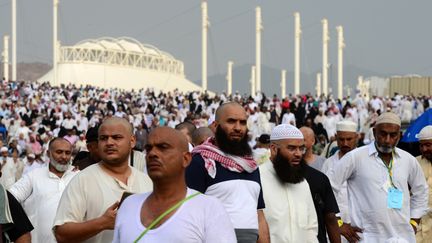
43 187
387 191
290 211
171 212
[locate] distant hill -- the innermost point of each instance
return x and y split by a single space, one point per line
28 71
270 80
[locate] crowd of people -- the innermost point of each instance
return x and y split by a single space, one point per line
85 164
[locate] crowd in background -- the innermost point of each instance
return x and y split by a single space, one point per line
31 114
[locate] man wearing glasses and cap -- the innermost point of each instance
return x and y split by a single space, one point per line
290 211
424 232
387 190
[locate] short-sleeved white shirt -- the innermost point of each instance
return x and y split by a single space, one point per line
200 219
91 192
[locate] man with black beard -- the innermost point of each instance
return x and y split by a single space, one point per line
223 167
290 210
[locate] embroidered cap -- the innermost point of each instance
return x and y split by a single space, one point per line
425 133
346 126
285 131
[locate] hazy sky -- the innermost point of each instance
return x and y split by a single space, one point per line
386 36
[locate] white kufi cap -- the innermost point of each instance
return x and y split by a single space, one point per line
388 118
425 133
346 126
285 131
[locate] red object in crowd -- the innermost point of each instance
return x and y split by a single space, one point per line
285 104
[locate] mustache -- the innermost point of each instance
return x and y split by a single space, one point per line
384 148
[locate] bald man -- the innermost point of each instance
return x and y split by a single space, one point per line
201 218
88 206
200 135
387 190
224 167
324 200
313 160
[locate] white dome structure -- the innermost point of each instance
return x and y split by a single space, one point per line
123 63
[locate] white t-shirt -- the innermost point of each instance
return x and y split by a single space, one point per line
91 192
200 219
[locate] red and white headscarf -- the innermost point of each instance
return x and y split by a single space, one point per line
210 153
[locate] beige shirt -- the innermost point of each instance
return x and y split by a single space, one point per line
424 234
91 192
427 171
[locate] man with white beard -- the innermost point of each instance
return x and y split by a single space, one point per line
42 188
387 190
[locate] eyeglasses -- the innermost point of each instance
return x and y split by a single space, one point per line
292 149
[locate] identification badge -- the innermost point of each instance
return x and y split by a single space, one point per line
395 198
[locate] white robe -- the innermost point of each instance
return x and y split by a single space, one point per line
41 190
289 211
367 177
341 197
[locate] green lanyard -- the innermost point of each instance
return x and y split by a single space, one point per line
156 221
389 168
